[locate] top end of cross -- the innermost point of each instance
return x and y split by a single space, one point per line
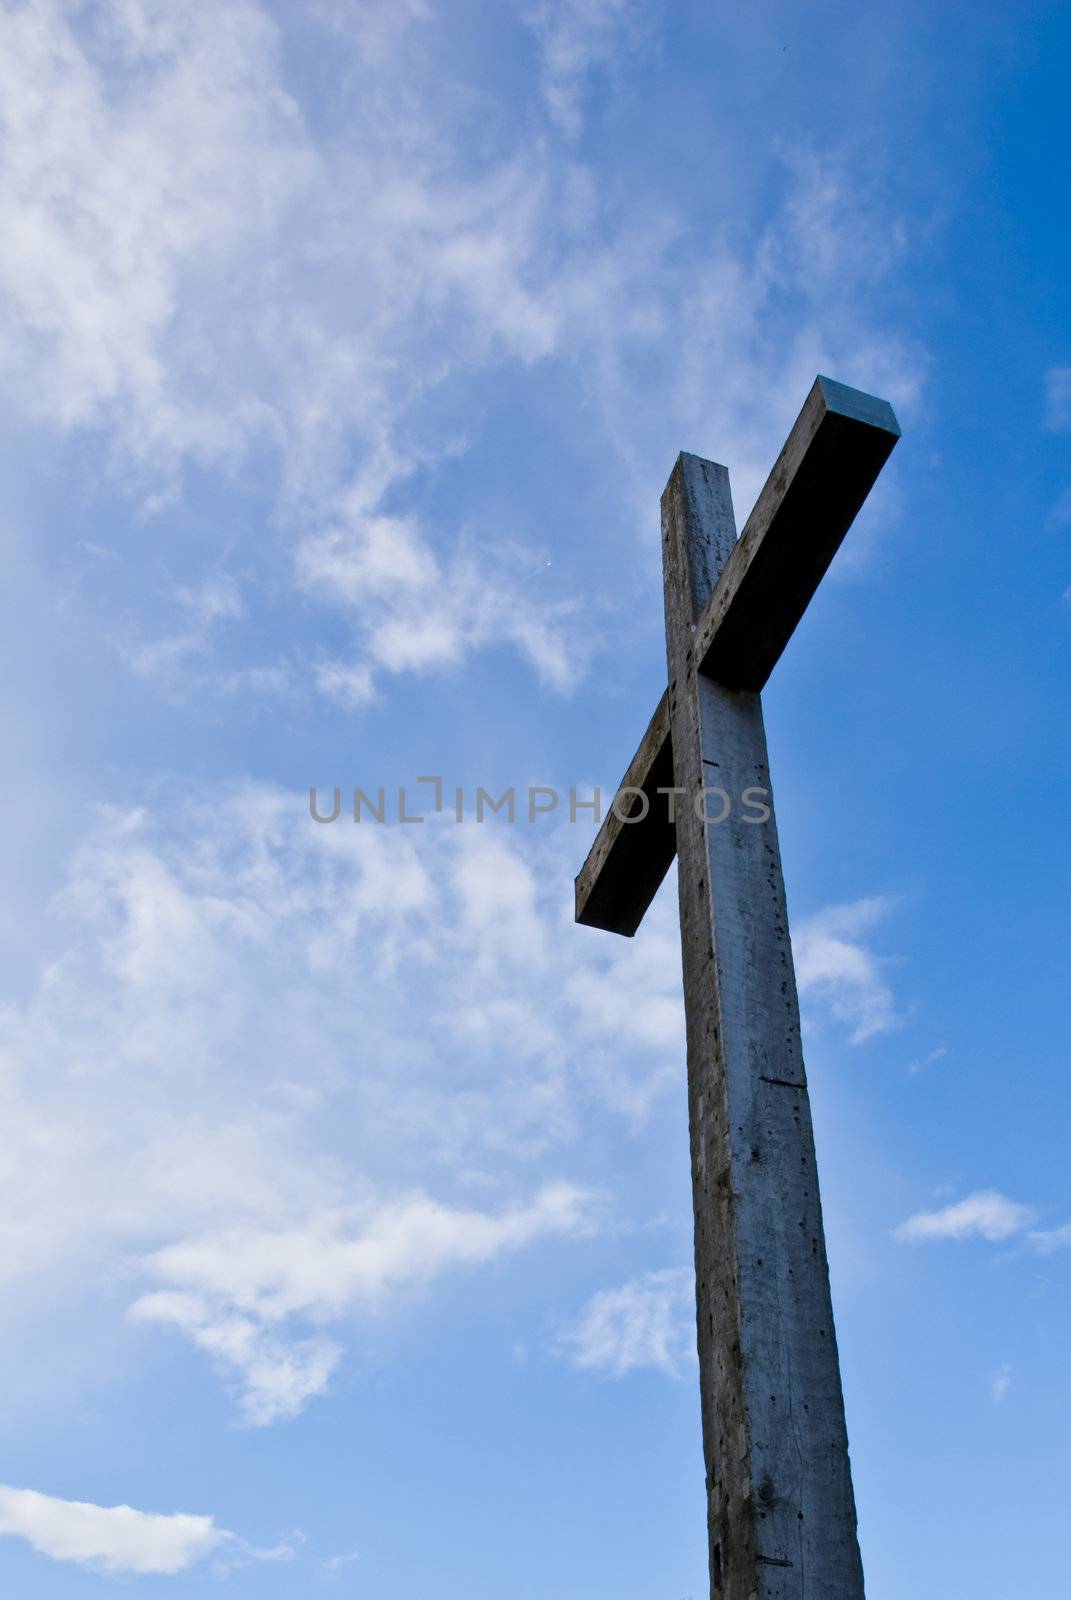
858 405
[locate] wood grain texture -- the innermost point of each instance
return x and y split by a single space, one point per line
753 595
838 444
780 1503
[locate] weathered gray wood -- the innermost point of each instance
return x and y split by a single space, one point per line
839 443
780 1504
629 859
837 446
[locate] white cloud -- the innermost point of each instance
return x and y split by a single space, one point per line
413 612
986 1214
233 1287
837 969
200 611
189 271
203 271
274 1377
1048 1240
577 38
255 1047
1058 398
920 1063
115 1539
646 1323
138 141
351 686
1001 1383
334 1262
334 1564
246 1025
634 995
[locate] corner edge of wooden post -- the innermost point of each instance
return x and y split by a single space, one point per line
858 405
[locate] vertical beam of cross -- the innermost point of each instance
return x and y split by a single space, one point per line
781 1510
780 1502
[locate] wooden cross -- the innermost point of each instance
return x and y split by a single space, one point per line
781 1511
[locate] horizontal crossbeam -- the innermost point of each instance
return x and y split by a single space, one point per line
628 860
838 445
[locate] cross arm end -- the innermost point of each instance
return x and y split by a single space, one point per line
857 405
629 859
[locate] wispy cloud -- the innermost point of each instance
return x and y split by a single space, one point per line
838 970
255 1047
413 611
576 40
228 291
273 1375
1046 1241
233 1288
1058 399
199 611
202 276
920 1063
1001 1383
181 250
1060 515
335 1564
648 1322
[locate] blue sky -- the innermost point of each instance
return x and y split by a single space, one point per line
346 350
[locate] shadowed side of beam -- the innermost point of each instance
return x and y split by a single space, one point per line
628 860
838 445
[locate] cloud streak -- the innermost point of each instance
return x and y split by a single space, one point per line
575 41
647 1323
205 278
117 1539
1058 399
986 1214
234 1287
